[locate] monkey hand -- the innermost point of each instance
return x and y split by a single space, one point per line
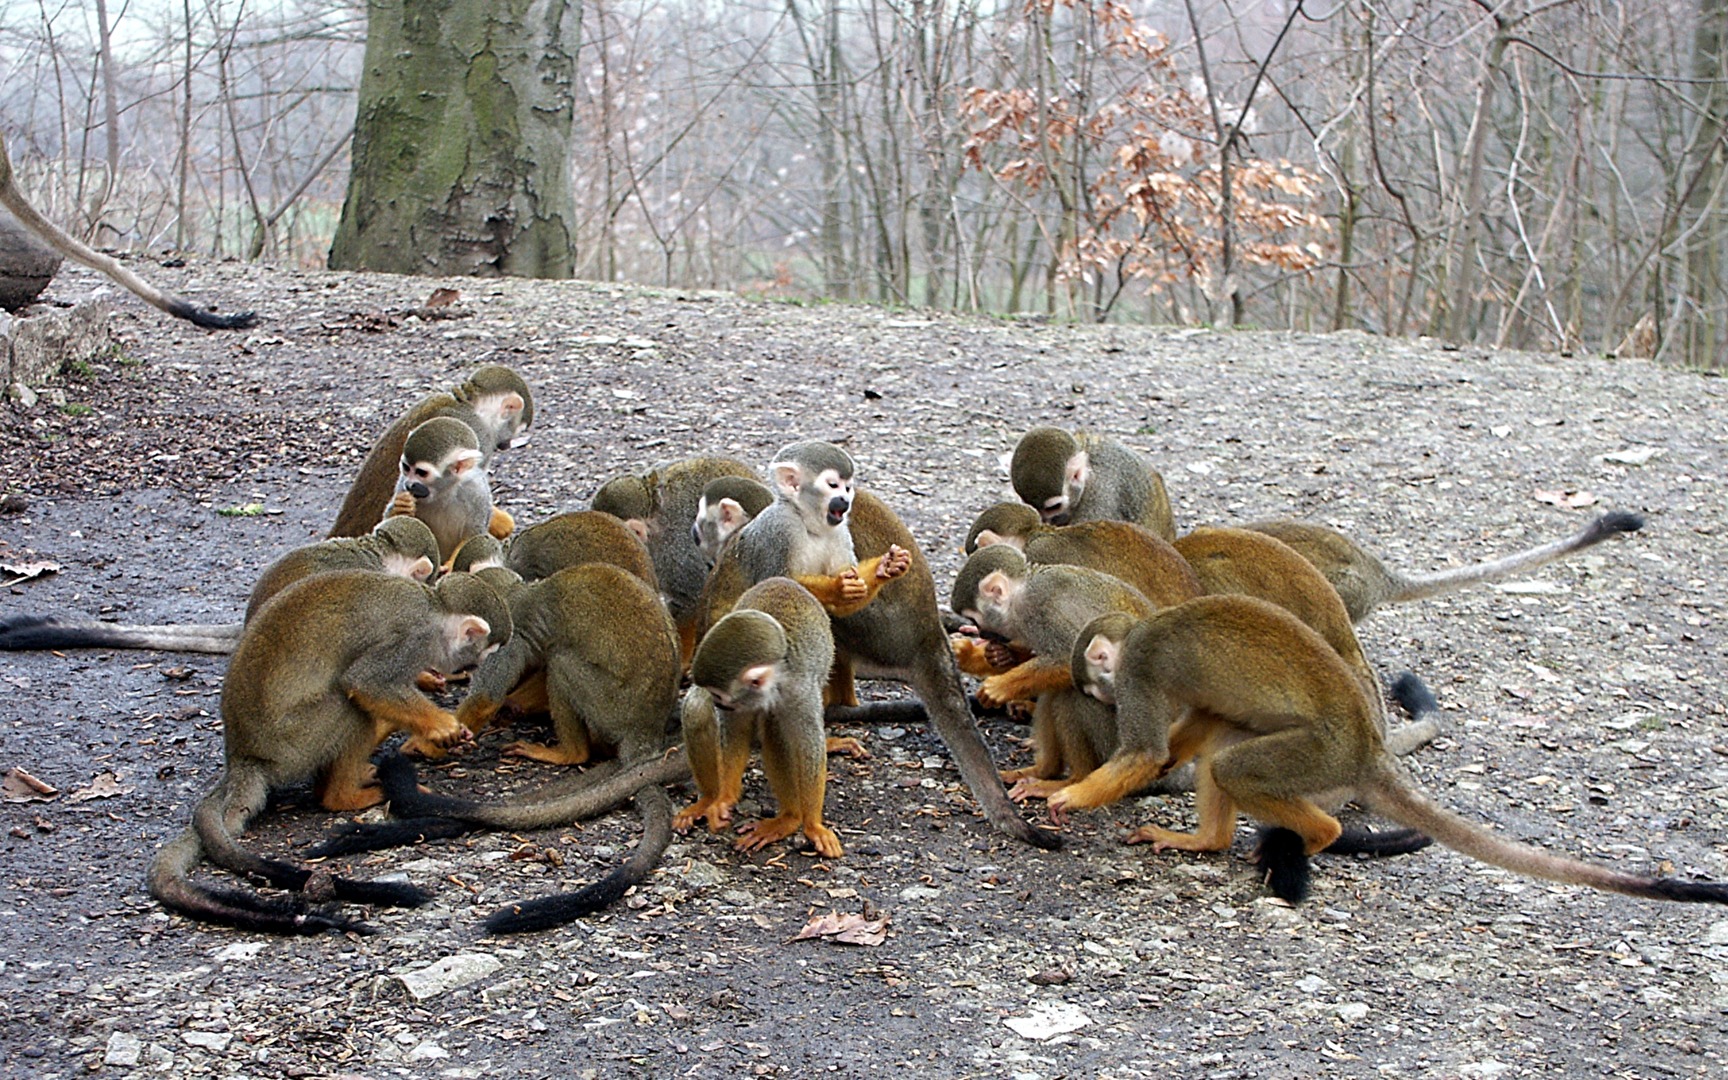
445 732
892 565
852 587
687 816
402 505
433 682
1001 655
1032 787
970 654
993 694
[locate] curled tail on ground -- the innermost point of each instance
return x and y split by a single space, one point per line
546 912
169 878
46 632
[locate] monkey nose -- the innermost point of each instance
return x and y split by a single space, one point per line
1058 518
419 491
837 508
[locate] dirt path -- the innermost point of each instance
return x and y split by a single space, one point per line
1583 711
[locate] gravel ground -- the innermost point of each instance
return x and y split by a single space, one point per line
1582 711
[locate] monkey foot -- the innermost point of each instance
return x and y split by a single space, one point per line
551 755
1034 787
756 835
431 682
415 746
846 744
824 840
1165 840
687 816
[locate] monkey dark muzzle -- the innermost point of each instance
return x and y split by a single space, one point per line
419 490
837 508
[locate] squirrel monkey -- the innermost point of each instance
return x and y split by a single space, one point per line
727 505
1087 477
897 636
73 249
322 674
610 656
558 543
443 483
759 673
1276 723
1042 609
494 402
1364 582
659 507
400 546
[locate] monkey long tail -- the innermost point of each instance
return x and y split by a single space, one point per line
1417 586
248 791
547 912
1386 793
169 881
74 249
45 632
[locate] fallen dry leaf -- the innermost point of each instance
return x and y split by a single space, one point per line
845 929
25 571
442 297
19 786
1568 498
104 786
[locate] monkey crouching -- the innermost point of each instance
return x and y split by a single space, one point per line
1277 725
322 674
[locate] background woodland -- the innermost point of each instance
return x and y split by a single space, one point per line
1543 175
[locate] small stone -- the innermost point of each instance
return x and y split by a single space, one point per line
447 974
124 1049
427 1051
213 1041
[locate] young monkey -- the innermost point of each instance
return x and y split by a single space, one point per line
1276 724
322 674
443 483
759 674
727 505
494 402
1087 477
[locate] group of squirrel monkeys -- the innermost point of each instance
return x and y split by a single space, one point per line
1138 651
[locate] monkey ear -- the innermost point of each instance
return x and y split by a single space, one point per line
421 569
1101 653
732 514
758 677
471 628
985 538
788 477
639 527
994 585
1079 469
462 461
510 406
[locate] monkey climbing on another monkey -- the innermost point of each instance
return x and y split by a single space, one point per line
1277 725
322 674
758 675
400 546
495 404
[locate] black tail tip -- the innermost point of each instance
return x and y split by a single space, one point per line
398 777
1618 521
1282 859
354 837
1689 892
1379 845
209 320
1413 695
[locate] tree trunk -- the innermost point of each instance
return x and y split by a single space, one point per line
462 140
1699 328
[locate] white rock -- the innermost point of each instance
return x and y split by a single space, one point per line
124 1049
447 974
1048 1021
213 1041
248 950
427 1051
